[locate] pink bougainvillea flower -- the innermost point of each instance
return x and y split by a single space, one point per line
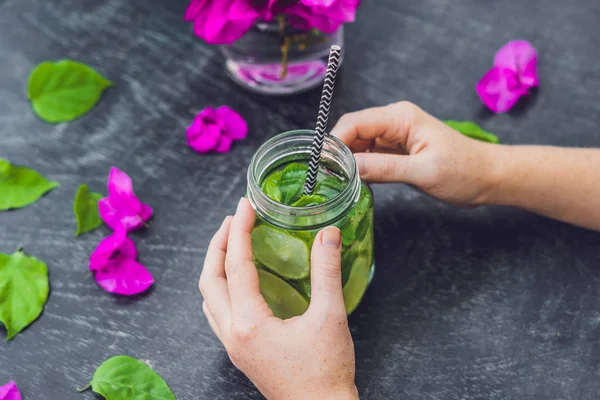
10 392
513 74
324 15
115 266
122 207
221 21
216 130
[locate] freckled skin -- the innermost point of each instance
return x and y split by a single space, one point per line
400 143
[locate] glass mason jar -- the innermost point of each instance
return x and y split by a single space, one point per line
283 235
275 60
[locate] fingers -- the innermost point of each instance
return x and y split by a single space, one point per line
326 273
393 122
242 278
211 321
380 168
213 283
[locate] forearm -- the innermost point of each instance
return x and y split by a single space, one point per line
560 183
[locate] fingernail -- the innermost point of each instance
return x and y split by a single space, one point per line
361 163
331 237
239 206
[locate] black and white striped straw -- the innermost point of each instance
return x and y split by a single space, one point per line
324 106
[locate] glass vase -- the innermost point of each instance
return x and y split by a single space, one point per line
276 60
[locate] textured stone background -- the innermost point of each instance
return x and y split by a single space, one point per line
492 303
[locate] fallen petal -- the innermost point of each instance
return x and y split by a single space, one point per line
125 276
107 248
499 89
10 392
521 57
122 207
232 123
224 145
205 141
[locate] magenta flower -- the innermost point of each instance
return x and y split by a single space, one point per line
215 130
10 392
513 74
324 15
115 266
122 207
221 21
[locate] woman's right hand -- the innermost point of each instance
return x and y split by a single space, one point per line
402 143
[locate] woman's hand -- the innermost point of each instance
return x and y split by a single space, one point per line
402 143
306 357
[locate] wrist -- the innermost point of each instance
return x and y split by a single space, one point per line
350 393
498 177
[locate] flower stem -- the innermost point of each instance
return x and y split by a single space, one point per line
285 51
285 46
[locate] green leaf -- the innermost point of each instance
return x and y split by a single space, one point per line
21 186
330 187
309 200
125 378
23 290
270 188
292 182
86 212
64 90
472 130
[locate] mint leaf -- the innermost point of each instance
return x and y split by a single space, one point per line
292 182
309 200
330 187
472 130
270 188
125 378
20 186
23 290
64 90
86 212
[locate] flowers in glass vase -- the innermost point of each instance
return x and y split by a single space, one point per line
225 21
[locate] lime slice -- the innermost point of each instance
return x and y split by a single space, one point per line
357 283
285 301
281 253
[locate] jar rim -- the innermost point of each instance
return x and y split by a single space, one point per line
262 203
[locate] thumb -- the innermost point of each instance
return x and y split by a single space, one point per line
326 273
384 168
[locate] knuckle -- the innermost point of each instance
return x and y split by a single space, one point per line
229 265
409 112
202 285
331 269
389 167
243 331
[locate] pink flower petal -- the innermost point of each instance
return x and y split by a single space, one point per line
122 207
126 277
194 8
205 140
232 123
521 57
115 268
324 15
224 21
499 89
224 145
107 248
10 392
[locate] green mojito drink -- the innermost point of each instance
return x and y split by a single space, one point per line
288 221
